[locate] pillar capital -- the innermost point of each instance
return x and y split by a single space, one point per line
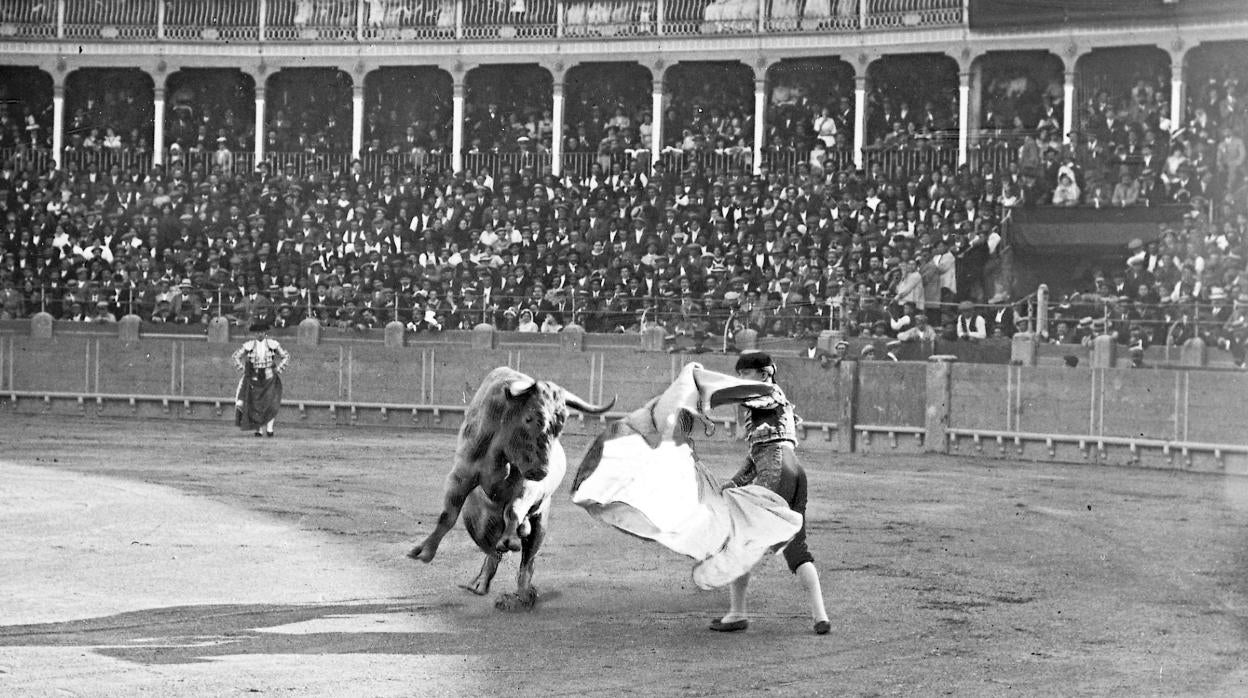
1071 53
863 61
658 69
965 58
760 67
259 73
558 70
1177 48
459 71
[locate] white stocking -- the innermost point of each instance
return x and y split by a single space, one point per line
808 577
737 609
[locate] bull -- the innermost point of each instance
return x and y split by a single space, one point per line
508 464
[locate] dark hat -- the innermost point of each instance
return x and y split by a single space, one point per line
754 360
260 325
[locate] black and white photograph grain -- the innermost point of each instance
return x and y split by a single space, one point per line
569 348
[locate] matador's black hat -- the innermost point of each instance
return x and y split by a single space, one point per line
757 360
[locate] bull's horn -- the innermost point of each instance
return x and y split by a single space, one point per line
576 403
520 387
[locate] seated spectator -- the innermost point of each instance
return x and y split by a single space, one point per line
1067 192
1127 191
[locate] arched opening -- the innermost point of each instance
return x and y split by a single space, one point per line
204 107
607 119
810 114
308 111
25 108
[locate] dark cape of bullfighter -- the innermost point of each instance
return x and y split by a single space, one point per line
260 392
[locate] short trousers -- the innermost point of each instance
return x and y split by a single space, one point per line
778 470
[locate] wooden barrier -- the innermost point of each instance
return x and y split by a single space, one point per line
1177 417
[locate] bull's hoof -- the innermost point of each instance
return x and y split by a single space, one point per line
477 588
520 601
423 552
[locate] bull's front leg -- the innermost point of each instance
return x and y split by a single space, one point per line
525 597
459 483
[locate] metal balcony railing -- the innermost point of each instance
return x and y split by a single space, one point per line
446 20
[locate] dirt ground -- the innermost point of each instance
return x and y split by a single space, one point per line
190 559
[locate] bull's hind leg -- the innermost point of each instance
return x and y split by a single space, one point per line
459 483
480 585
525 597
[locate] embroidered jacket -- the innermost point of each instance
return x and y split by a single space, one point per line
262 354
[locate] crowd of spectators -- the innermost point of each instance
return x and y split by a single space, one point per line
912 257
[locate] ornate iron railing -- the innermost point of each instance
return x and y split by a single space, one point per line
449 20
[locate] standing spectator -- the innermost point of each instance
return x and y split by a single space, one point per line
971 325
1230 156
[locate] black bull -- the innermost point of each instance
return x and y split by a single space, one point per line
508 464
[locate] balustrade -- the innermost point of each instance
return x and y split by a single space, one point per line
436 20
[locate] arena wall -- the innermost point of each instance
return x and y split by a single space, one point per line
1157 417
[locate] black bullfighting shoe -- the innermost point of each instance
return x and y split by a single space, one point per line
822 627
732 626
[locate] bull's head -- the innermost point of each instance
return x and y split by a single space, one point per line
534 417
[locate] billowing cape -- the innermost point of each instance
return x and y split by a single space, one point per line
643 477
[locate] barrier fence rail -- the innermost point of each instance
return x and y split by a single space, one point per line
866 407
449 20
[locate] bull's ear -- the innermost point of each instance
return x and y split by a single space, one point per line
520 388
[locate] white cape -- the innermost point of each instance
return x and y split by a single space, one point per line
665 494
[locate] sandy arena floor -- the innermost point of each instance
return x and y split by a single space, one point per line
193 560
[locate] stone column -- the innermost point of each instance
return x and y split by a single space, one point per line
1104 352
556 126
964 119
158 125
260 131
484 336
656 112
457 124
939 394
860 116
760 119
1068 104
357 119
58 121
1176 92
308 334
